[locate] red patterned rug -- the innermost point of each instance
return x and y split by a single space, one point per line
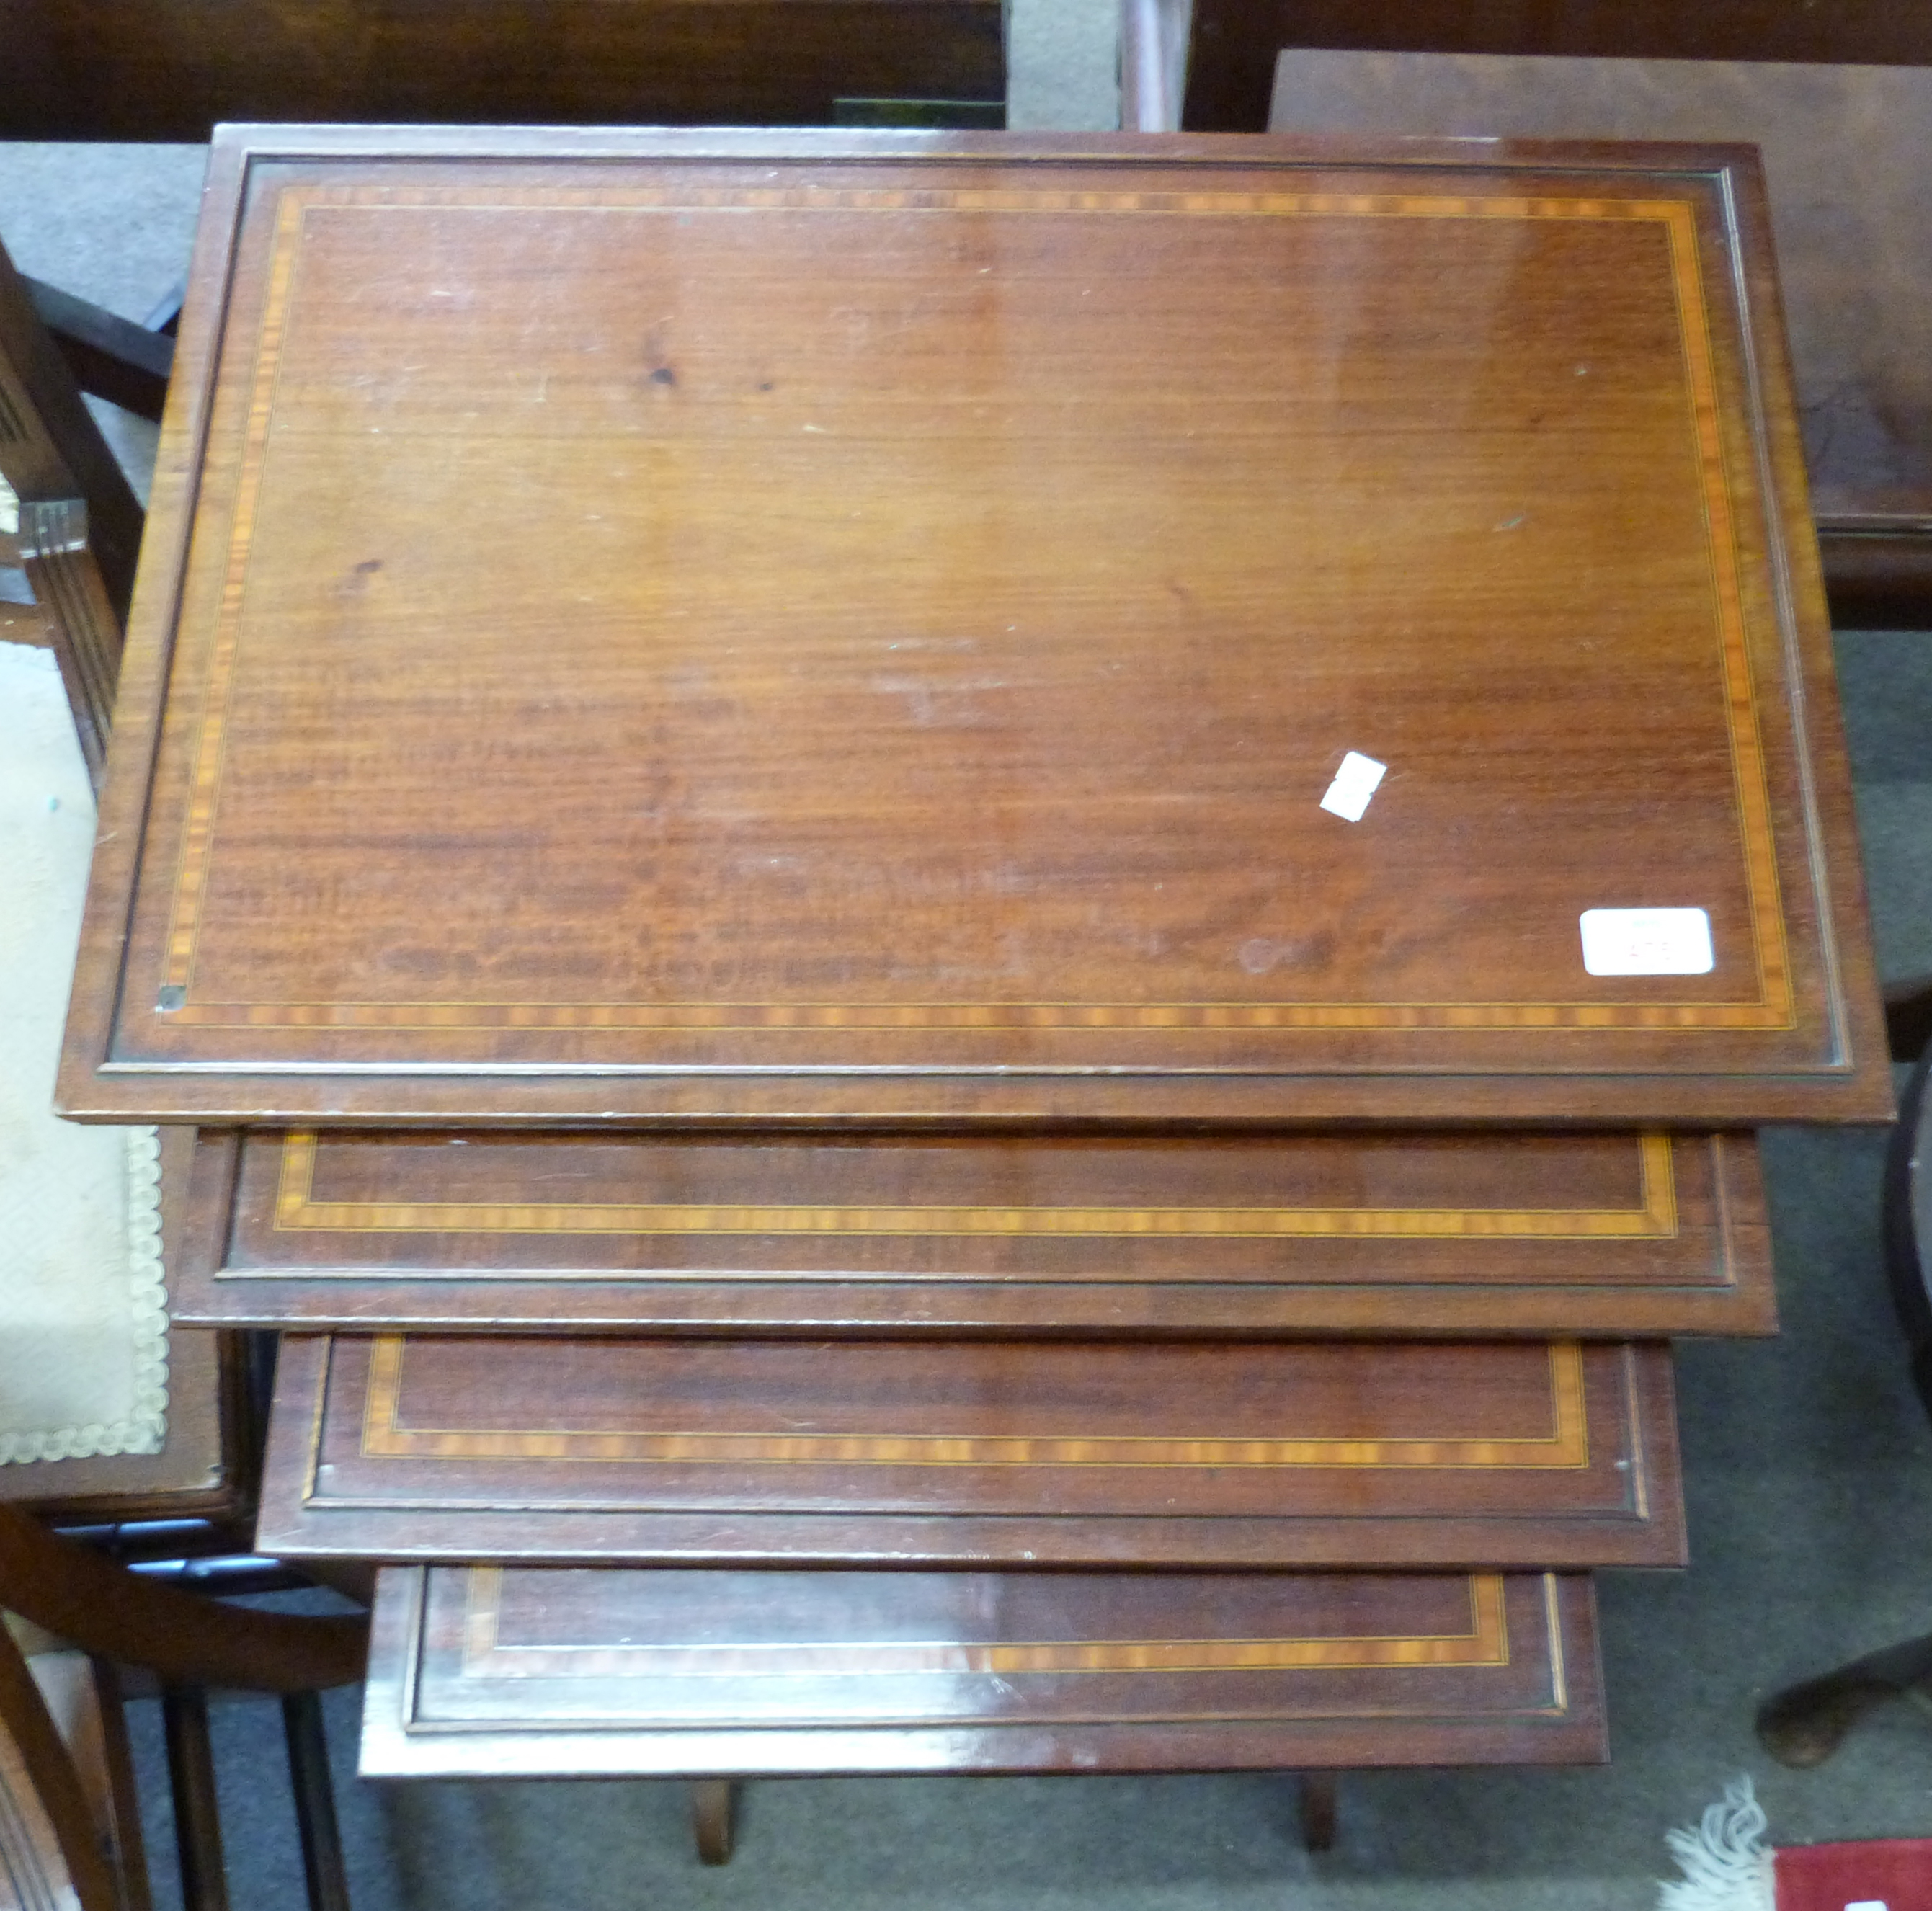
1728 1867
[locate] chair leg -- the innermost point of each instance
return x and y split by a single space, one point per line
191 1776
713 1806
323 1867
1804 1724
125 1803
1318 1810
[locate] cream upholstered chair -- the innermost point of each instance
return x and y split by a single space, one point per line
105 1416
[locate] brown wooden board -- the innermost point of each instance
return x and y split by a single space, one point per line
1467 1233
118 70
1233 42
989 1453
486 1671
691 627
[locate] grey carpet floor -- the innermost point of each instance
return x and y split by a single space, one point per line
1808 1467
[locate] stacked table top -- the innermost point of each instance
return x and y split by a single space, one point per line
979 933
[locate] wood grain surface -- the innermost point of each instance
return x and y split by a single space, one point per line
1613 1234
489 1672
1234 43
646 628
998 1454
119 70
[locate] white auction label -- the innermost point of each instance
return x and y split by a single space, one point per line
1355 782
1648 942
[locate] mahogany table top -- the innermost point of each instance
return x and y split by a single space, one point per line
489 1672
782 627
987 1453
1461 1232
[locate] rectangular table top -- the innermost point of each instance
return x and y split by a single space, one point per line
489 1672
1007 1454
779 627
1469 1233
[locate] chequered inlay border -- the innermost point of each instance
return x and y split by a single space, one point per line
387 1435
1655 1216
1486 1643
1774 1007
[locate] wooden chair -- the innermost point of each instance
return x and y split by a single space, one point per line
69 1830
76 537
69 1827
79 523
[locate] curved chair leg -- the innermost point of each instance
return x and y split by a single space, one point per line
1318 1810
713 1806
1804 1724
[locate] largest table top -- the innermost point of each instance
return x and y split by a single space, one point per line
756 627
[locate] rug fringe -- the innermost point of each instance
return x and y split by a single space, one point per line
1726 1863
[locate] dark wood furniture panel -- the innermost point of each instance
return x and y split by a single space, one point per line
1615 1234
126 69
1231 66
1028 828
1845 150
489 1672
783 1453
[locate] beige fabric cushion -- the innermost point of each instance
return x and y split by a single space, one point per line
83 1309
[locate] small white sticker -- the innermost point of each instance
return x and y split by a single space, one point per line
1355 782
1647 942
1867 1904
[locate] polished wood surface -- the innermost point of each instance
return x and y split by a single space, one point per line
990 1453
1846 149
1231 66
488 1671
128 70
1619 1235
692 629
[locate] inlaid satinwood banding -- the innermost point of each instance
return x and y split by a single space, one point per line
1486 1643
1655 1216
386 1436
1773 1008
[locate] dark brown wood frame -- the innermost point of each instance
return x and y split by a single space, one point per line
1604 1285
340 1482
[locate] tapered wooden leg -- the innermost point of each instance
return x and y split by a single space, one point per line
322 1868
1318 1811
713 1806
1804 1724
191 1776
